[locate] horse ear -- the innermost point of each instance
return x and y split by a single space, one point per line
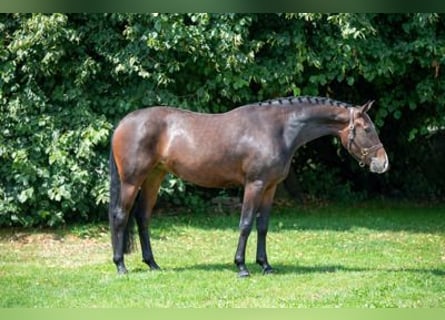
366 106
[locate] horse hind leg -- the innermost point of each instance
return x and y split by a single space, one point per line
143 210
119 215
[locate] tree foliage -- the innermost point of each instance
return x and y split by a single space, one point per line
66 79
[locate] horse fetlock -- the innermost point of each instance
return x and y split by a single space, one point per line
265 266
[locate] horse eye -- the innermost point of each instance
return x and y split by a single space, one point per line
367 129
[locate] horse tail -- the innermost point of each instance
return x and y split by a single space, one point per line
115 192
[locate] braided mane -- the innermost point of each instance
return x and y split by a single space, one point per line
305 100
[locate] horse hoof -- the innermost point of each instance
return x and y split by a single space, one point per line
268 270
152 264
154 267
243 274
122 271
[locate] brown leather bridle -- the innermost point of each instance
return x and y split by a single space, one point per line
364 152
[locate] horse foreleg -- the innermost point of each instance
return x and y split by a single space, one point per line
252 198
262 224
143 213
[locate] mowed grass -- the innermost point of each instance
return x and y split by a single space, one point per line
357 256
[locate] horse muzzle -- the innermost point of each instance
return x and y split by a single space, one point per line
379 164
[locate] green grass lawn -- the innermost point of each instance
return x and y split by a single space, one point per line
358 256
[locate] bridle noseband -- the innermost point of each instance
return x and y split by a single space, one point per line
364 152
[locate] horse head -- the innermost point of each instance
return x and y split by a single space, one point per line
361 140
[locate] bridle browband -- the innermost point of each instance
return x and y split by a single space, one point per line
364 152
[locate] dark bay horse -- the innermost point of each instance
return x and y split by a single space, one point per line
250 146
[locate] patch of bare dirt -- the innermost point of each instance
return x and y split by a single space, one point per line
52 249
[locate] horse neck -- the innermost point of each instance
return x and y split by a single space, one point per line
308 123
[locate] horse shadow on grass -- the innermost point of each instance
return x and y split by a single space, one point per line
285 269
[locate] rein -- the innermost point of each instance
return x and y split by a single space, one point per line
364 152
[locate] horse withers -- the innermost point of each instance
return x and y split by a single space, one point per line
250 146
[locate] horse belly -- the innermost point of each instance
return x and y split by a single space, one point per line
209 173
205 165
